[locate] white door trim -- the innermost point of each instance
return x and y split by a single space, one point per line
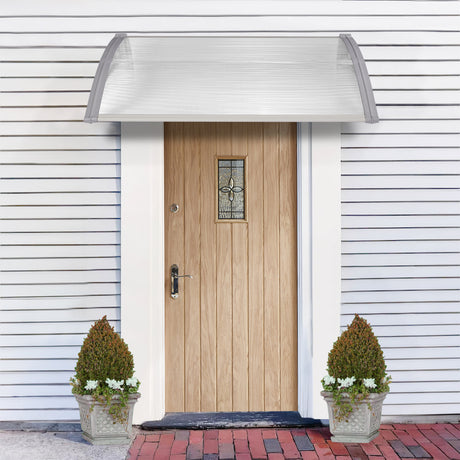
142 259
319 257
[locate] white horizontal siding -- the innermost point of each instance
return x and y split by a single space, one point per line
62 414
59 226
401 222
42 113
49 84
21 379
44 303
69 184
48 339
61 143
42 403
403 127
54 199
182 23
385 35
34 390
60 187
70 314
234 8
62 225
58 128
384 272
58 265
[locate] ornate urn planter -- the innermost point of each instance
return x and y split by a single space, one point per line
362 424
99 427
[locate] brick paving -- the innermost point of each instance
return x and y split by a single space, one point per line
436 441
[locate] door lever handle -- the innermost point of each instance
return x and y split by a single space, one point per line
175 280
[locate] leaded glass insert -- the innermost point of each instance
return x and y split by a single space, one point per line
231 189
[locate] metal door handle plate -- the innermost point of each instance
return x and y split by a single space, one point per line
175 280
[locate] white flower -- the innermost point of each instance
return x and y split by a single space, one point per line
329 380
369 383
132 381
91 385
115 384
347 382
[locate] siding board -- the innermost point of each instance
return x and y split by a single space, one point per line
23 379
60 212
37 128
49 69
55 98
63 414
396 308
55 199
365 37
402 153
61 264
410 53
405 259
68 314
44 403
424 271
396 140
49 303
76 250
42 113
71 327
34 390
407 195
60 142
237 7
20 84
165 24
404 296
411 320
70 184
80 54
56 238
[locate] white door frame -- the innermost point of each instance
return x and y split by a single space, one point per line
142 259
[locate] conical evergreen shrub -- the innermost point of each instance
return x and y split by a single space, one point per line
103 355
357 353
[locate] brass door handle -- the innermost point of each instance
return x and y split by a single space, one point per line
175 280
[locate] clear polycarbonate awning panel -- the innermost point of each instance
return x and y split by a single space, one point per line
171 78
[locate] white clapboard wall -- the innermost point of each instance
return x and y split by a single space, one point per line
60 188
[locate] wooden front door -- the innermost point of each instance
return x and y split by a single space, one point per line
231 333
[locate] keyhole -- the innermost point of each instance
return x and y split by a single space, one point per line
174 208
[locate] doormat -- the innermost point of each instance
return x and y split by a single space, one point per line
222 420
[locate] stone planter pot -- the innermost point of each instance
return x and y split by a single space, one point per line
363 423
98 425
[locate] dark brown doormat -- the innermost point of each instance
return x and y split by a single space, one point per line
222 420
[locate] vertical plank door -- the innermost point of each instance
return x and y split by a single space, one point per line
231 334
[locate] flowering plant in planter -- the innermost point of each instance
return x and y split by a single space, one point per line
356 369
105 371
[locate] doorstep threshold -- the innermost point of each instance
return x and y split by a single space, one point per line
222 420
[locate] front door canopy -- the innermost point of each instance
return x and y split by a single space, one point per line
171 78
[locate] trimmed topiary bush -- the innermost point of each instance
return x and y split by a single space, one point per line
356 367
105 368
104 355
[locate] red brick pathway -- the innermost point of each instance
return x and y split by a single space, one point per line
438 441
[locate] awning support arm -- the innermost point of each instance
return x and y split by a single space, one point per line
364 83
97 90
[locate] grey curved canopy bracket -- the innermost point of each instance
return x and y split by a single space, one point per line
364 82
227 78
102 72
